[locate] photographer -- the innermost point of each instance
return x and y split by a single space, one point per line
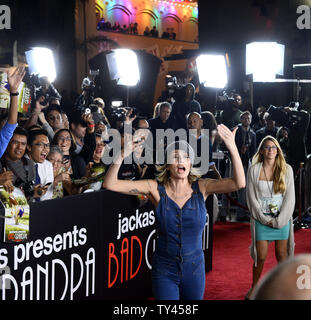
283 140
245 140
183 105
268 130
86 98
230 114
17 170
83 131
99 102
42 87
259 122
37 113
297 122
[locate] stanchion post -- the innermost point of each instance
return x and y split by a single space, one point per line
300 191
298 223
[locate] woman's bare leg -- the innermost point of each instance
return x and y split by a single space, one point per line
281 250
262 251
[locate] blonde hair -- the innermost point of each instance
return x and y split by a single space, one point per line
156 110
279 168
163 175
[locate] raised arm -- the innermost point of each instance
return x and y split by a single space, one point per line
237 181
14 79
111 182
34 116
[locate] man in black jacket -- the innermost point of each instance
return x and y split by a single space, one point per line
184 104
162 121
17 170
245 139
83 131
268 130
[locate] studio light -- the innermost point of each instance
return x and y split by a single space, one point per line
212 70
123 67
41 62
264 60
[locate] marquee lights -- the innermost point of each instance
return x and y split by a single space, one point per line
180 3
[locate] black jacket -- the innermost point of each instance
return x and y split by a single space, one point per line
247 138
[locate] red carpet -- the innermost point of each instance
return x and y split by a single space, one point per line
231 276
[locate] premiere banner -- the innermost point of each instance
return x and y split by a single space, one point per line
91 246
15 211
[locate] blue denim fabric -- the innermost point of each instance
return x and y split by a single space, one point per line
6 133
178 270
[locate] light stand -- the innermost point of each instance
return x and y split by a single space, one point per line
123 67
127 95
298 224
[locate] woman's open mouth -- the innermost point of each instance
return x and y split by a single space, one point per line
181 169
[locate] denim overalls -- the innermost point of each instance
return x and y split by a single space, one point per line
178 270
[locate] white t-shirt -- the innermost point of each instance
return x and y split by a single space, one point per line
46 175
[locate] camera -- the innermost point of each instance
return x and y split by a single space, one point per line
85 102
287 119
42 87
27 187
119 113
226 100
175 90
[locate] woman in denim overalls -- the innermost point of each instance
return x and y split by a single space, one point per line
179 197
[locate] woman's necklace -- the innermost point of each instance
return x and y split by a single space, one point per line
264 171
182 197
179 197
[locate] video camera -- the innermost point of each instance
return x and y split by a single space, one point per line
287 119
27 187
85 102
119 112
42 87
174 89
226 100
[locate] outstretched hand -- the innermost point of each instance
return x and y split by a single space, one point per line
227 135
128 116
132 143
15 77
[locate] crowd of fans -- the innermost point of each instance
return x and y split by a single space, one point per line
132 28
52 154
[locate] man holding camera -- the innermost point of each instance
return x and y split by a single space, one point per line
231 114
297 122
184 104
17 170
83 130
